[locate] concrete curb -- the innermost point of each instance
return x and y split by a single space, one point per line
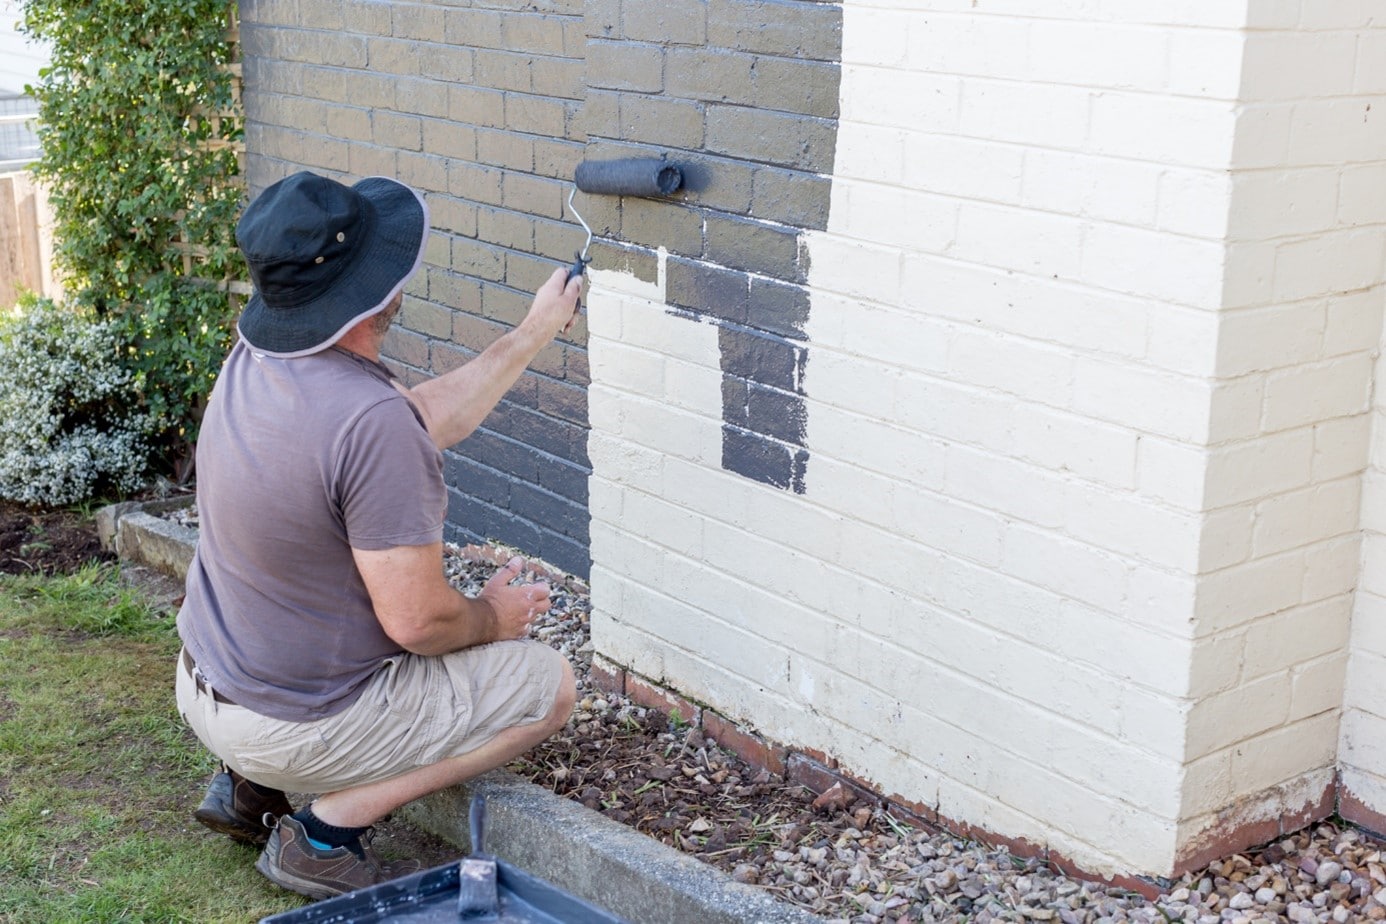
569 845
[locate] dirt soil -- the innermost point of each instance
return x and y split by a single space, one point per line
36 540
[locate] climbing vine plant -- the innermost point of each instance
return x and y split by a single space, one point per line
138 119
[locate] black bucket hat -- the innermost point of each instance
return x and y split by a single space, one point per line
323 256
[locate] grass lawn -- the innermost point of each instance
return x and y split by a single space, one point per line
98 776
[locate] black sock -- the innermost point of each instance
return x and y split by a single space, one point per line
322 833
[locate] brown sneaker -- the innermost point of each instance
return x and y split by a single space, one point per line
290 862
232 807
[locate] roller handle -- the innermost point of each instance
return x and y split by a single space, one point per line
578 268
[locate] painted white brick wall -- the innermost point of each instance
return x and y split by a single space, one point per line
1300 327
1087 415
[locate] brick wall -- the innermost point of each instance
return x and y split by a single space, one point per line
1289 428
476 105
1085 374
987 417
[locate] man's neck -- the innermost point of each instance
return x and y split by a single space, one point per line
362 340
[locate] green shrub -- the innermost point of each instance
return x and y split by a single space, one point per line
137 164
71 430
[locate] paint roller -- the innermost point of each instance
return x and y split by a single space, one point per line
648 177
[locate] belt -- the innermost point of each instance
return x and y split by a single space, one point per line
201 682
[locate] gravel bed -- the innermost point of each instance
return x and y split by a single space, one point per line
850 861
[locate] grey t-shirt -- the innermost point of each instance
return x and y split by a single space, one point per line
298 462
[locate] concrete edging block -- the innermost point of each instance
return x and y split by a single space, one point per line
597 859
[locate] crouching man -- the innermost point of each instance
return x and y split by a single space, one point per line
324 650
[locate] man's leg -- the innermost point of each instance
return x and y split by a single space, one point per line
292 858
365 805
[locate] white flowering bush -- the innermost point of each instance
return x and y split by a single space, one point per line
71 425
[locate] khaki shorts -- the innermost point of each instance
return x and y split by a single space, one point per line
414 712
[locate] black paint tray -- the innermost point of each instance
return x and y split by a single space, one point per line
430 897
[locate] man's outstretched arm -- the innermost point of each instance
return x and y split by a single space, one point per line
455 403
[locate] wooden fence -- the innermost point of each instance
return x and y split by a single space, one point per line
26 239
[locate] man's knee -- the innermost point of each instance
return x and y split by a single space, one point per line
564 699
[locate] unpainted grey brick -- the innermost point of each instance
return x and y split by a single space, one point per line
391 129
781 139
625 66
475 333
557 240
445 357
423 21
477 258
708 290
555 513
562 400
364 17
479 481
393 56
453 215
359 88
536 115
306 114
577 367
536 195
669 22
425 318
792 85
527 271
478 106
575 37
561 77
551 358
318 151
321 14
492 450
504 149
598 116
556 157
506 305
325 48
782 27
534 32
746 244
791 196
566 478
449 139
478 183
506 228
778 308
423 96
438 250
602 18
348 122
425 172
657 223
445 62
544 433
640 262
455 291
710 74
406 347
477 28
669 123
502 70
